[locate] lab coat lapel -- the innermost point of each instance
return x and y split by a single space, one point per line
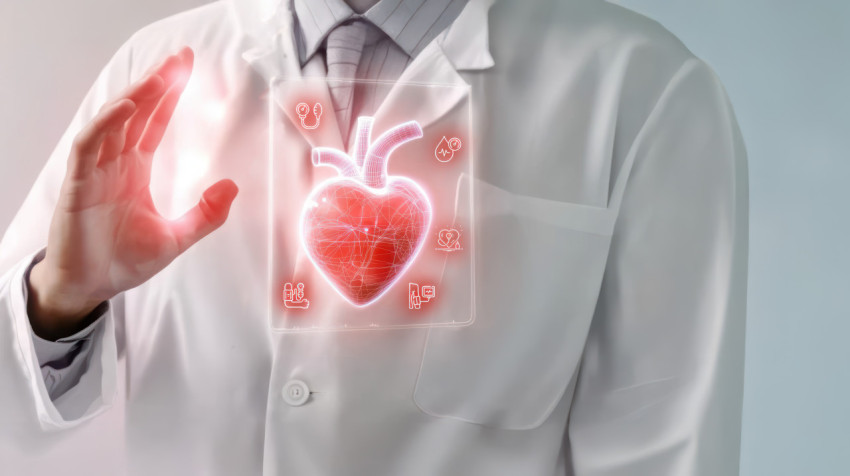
464 46
310 92
275 58
424 104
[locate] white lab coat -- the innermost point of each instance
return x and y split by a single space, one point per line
611 272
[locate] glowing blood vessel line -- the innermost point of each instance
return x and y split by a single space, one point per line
375 165
363 229
363 139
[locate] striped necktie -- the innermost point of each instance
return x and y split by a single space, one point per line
342 54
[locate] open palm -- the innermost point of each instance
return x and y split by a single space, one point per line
106 235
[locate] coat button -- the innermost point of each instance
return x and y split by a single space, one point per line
295 393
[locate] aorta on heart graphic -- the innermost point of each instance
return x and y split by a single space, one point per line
363 229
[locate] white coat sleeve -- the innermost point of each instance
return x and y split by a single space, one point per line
660 387
26 408
63 361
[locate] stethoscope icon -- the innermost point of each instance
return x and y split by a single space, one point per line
302 109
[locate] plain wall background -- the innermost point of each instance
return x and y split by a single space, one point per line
785 65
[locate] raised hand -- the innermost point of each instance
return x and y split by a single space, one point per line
106 236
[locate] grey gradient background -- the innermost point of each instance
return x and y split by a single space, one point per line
785 65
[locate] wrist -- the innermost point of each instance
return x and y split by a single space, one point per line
55 310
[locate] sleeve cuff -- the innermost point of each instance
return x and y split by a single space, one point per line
59 353
96 388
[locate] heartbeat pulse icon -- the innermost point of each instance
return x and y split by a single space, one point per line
446 149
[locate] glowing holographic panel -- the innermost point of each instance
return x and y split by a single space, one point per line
382 234
364 229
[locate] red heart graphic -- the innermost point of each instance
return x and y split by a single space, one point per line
364 229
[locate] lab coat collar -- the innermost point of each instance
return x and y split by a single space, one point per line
466 42
268 24
463 46
427 106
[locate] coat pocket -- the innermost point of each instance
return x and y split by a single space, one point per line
539 265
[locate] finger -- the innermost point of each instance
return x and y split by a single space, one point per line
112 146
159 68
154 83
159 119
149 86
210 213
169 71
145 92
87 143
161 116
156 80
113 142
142 93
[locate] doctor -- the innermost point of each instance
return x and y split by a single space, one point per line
611 256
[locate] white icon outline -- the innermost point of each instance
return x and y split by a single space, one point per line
417 295
445 153
303 109
448 240
294 298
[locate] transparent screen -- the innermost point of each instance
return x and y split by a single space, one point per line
370 209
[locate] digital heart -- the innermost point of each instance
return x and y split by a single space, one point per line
362 230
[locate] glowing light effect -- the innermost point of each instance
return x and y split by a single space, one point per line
446 149
293 297
302 109
192 166
415 296
448 240
215 110
363 230
203 98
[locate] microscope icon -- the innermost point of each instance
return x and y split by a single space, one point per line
293 298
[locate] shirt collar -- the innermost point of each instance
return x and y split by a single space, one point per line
465 42
411 24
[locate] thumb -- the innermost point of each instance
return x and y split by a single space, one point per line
209 214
